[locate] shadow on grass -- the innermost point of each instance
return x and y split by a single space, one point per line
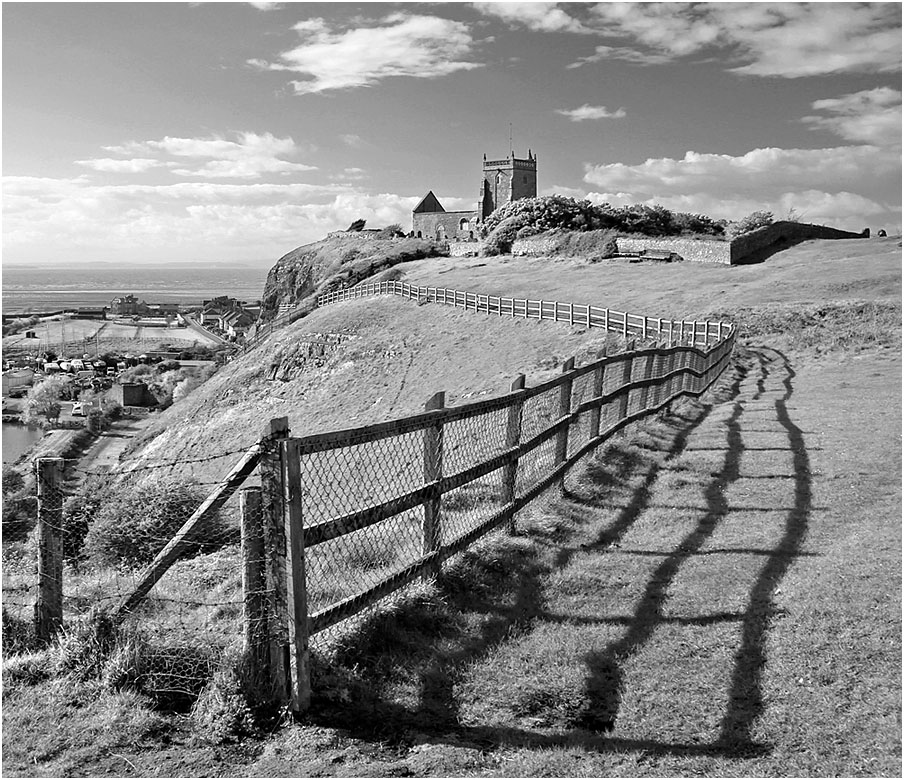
496 593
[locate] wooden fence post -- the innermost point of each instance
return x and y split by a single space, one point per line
564 409
646 373
512 439
433 471
254 586
301 695
48 617
595 413
627 366
275 549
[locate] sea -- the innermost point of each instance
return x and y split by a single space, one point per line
48 289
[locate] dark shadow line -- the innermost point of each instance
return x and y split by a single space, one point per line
720 551
746 696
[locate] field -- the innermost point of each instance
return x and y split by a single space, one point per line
71 336
717 593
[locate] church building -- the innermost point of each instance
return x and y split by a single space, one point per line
503 181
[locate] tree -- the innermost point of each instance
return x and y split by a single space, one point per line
42 405
356 226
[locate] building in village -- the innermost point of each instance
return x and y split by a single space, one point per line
127 306
503 181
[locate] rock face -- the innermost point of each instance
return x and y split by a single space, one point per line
341 260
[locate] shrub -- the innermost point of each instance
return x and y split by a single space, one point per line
500 239
43 402
136 520
753 221
392 231
357 226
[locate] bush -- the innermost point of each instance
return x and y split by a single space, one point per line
392 231
137 519
753 221
500 239
357 226
553 212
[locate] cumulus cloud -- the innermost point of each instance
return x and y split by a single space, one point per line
413 45
543 17
872 116
788 40
249 156
847 186
181 221
110 165
591 112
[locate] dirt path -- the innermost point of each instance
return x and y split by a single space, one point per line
104 453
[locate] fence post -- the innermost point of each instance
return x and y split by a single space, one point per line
48 618
627 366
274 522
512 439
254 585
646 373
433 471
564 409
596 413
301 695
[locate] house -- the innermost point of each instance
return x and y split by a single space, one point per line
91 313
235 323
127 306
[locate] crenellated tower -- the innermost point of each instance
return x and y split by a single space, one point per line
506 180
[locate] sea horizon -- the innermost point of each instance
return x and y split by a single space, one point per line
38 289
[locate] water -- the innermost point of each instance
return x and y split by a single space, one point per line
17 439
50 289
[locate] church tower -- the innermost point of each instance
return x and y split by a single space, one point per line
506 180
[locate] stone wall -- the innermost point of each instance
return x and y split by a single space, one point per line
783 233
465 248
696 250
700 251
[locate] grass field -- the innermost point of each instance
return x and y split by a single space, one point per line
717 593
98 336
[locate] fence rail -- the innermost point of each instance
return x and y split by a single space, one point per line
344 519
637 325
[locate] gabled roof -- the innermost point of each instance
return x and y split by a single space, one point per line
428 205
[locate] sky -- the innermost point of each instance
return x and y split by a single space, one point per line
235 132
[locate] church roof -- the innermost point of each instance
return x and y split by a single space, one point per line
428 204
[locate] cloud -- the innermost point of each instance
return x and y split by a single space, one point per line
789 40
352 140
872 116
109 165
541 17
847 186
591 112
417 46
200 221
248 157
264 6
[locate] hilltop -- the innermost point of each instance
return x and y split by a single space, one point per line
392 355
716 594
340 260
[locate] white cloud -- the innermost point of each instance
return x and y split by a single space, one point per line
247 157
786 39
109 165
542 17
182 221
265 6
352 140
872 116
591 112
417 46
848 187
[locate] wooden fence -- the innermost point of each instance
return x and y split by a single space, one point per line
345 518
638 325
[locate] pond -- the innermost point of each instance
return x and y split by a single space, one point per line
17 439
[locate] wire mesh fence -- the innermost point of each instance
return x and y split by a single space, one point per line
325 528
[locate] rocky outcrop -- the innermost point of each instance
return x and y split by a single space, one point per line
339 261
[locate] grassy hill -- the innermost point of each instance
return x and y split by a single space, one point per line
717 593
